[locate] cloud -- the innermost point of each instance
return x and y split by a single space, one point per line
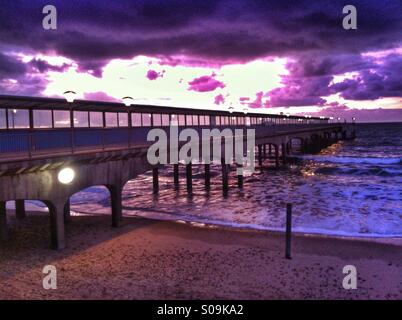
94 32
300 91
10 67
383 81
153 75
205 84
236 39
99 96
219 99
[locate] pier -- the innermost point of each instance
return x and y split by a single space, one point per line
51 149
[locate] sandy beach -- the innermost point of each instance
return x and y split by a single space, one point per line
147 259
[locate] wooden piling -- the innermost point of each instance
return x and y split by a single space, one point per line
189 178
176 175
277 157
284 153
155 179
207 176
225 176
260 156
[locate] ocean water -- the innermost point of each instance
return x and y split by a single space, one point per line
352 188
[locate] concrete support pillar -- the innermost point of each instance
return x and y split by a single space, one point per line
116 204
155 179
57 233
189 177
3 222
270 149
265 150
225 176
276 156
284 153
260 156
67 215
20 209
207 176
176 175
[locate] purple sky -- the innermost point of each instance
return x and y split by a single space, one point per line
284 56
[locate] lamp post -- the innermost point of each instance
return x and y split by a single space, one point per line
70 95
128 101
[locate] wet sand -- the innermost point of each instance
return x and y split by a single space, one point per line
146 259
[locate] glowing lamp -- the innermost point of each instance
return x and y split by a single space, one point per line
69 96
128 101
66 175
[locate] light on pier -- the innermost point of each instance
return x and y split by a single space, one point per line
69 95
128 101
66 175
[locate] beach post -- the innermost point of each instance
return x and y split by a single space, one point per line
155 179
207 176
116 204
3 221
288 230
189 178
176 175
20 209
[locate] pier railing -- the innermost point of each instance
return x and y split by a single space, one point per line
31 127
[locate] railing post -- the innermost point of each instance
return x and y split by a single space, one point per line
288 230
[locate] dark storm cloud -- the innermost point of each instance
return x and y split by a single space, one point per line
385 81
93 32
310 77
100 30
10 68
299 91
42 66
